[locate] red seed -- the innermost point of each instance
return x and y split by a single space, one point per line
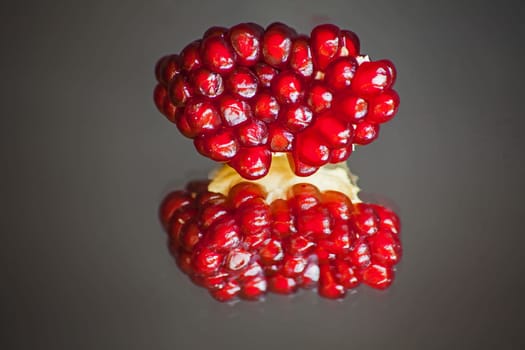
340 72
303 196
295 118
325 44
360 254
373 77
293 266
388 219
272 252
338 204
365 133
245 39
333 131
383 107
279 138
281 284
237 259
242 83
202 116
265 106
378 276
217 54
300 168
206 83
310 149
206 261
180 90
265 73
252 133
277 44
215 31
346 275
190 56
288 87
301 56
364 219
350 107
229 291
340 154
234 111
220 146
254 288
253 216
300 245
282 218
223 234
329 287
167 68
349 44
211 212
244 192
319 97
252 163
310 275
171 204
385 248
314 221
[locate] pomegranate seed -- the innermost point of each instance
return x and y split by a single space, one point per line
310 275
211 212
184 261
242 83
319 98
333 131
252 133
227 292
206 83
288 87
277 44
237 259
245 39
350 107
373 77
301 57
282 219
360 254
340 154
202 116
310 149
385 248
280 139
234 111
254 288
346 275
364 219
340 239
378 276
325 44
220 146
303 196
265 74
265 107
180 218
217 54
281 284
340 72
271 253
314 221
253 216
167 68
184 127
215 31
365 133
300 168
206 261
328 285
338 204
191 235
244 192
171 204
383 107
300 245
388 220
252 163
163 103
180 90
349 44
293 266
224 234
296 117
190 56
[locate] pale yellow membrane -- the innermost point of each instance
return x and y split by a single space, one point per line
334 177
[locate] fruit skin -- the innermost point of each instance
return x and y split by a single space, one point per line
249 87
240 246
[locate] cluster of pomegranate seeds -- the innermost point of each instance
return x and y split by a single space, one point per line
240 246
247 92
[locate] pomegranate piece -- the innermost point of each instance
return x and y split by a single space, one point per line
241 246
280 85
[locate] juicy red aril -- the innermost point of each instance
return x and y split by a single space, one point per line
349 44
190 236
338 204
388 220
245 39
310 275
296 117
311 150
301 57
215 31
234 111
265 107
252 133
252 162
303 196
325 44
282 218
180 90
277 44
190 56
238 259
346 275
217 55
350 107
332 130
171 204
227 292
314 221
202 116
220 146
340 154
206 261
377 276
293 266
206 83
167 68
243 192
288 87
365 133
265 73
242 83
360 254
383 107
282 285
224 234
163 103
373 77
319 97
254 288
211 212
253 216
365 220
329 287
385 248
340 72
280 139
272 252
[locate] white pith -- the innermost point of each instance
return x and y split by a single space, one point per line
334 177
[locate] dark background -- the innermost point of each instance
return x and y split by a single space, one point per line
86 160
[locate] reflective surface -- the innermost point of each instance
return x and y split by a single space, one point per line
87 159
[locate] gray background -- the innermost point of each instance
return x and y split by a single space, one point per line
86 160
